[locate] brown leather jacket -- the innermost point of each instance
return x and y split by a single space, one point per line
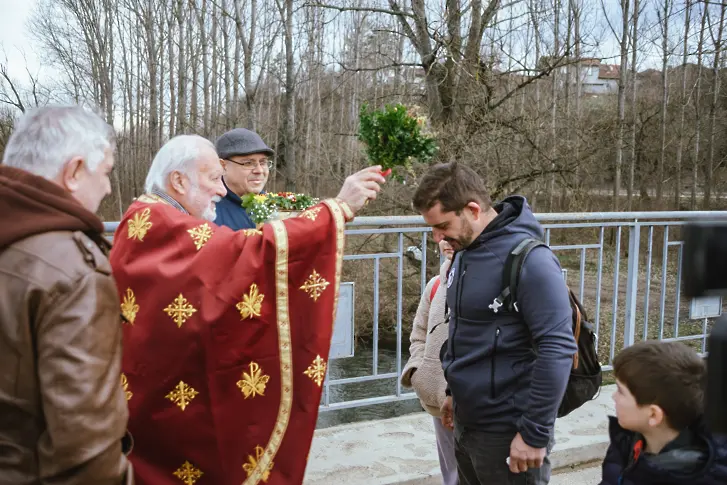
63 411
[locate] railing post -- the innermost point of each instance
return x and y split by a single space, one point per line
632 284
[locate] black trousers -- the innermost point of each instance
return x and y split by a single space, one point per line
481 460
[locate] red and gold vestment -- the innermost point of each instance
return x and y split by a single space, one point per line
226 341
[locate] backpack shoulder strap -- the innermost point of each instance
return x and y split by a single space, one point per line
511 274
435 286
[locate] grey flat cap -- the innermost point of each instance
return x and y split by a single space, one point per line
241 142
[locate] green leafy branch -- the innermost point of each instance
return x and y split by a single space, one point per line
394 137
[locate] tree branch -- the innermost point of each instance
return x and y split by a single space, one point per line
358 9
378 68
18 103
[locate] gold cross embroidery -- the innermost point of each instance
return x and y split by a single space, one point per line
125 386
129 308
311 213
254 383
315 285
317 370
180 310
200 235
252 464
251 304
188 474
139 225
182 395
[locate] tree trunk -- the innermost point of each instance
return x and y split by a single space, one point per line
664 16
697 109
181 71
227 56
193 48
709 171
289 120
205 68
624 46
152 60
172 83
215 82
577 10
634 108
682 109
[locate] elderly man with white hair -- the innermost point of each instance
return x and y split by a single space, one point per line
186 173
63 411
227 332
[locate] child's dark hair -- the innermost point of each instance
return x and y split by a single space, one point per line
667 374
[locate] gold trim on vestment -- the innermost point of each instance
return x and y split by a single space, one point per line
265 462
151 199
340 223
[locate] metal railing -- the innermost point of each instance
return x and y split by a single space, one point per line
645 299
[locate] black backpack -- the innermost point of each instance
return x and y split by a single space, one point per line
585 377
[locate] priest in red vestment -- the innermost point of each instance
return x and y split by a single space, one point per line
226 334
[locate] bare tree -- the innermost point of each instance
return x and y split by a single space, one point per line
624 47
634 110
682 107
697 109
554 103
664 16
717 42
285 8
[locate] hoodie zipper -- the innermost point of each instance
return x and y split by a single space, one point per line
492 366
458 304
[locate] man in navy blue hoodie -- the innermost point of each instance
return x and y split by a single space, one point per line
506 371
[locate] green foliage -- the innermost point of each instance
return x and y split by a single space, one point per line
394 137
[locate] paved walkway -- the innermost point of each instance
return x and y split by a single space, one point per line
587 476
403 450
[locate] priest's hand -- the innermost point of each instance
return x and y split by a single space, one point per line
361 187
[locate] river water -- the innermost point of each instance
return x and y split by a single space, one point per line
361 364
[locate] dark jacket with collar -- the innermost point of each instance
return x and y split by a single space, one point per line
507 372
230 212
693 458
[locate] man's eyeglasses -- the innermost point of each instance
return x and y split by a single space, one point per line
251 164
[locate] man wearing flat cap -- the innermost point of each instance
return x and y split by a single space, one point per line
246 160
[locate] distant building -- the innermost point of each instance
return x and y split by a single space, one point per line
595 77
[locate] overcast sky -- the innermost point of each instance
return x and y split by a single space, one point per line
14 37
15 40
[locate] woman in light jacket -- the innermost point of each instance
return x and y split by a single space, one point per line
424 371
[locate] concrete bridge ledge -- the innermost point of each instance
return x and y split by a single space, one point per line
403 450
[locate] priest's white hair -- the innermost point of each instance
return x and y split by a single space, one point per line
177 155
45 139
